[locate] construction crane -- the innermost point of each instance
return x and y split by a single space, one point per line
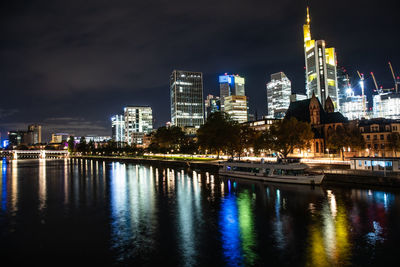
362 91
394 78
376 85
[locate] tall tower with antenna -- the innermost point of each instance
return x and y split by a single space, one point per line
321 64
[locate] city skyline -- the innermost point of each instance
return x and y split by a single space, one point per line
70 79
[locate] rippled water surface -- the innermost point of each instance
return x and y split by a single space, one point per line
88 212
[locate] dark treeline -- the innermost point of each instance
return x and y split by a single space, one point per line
219 135
222 135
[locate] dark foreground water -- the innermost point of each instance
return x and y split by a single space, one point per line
96 213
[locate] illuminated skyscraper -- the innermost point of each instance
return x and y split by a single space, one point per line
279 90
186 89
35 134
138 122
230 85
352 107
236 107
211 104
118 128
321 76
386 105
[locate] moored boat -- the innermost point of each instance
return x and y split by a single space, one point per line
282 172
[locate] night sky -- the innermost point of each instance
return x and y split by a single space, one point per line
71 65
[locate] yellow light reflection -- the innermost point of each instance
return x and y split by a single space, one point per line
14 186
329 234
42 184
66 182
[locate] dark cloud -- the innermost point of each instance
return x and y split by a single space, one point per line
86 59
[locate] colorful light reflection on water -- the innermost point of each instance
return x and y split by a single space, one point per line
123 213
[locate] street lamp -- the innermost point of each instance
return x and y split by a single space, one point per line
328 155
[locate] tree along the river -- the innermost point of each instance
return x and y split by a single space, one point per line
343 137
288 134
168 139
394 142
71 144
246 139
219 133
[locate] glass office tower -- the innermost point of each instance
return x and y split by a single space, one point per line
186 89
279 90
321 76
138 121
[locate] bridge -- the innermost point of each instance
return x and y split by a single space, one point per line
34 154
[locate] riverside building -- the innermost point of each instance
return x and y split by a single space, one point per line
279 90
186 91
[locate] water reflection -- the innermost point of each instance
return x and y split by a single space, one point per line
42 184
14 186
188 201
236 223
141 213
3 184
133 211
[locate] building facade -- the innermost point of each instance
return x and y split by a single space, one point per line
138 119
35 134
211 104
352 107
236 107
386 105
15 138
279 90
297 97
323 121
230 85
320 61
118 128
376 133
59 137
186 90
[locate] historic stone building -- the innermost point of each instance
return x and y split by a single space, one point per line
376 133
323 120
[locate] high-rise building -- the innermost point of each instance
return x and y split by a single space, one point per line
352 107
343 81
59 137
138 119
236 107
279 90
386 105
118 128
186 88
211 104
321 76
16 138
34 134
297 97
230 85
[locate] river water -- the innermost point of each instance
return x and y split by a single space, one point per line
92 212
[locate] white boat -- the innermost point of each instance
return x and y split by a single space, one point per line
283 172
